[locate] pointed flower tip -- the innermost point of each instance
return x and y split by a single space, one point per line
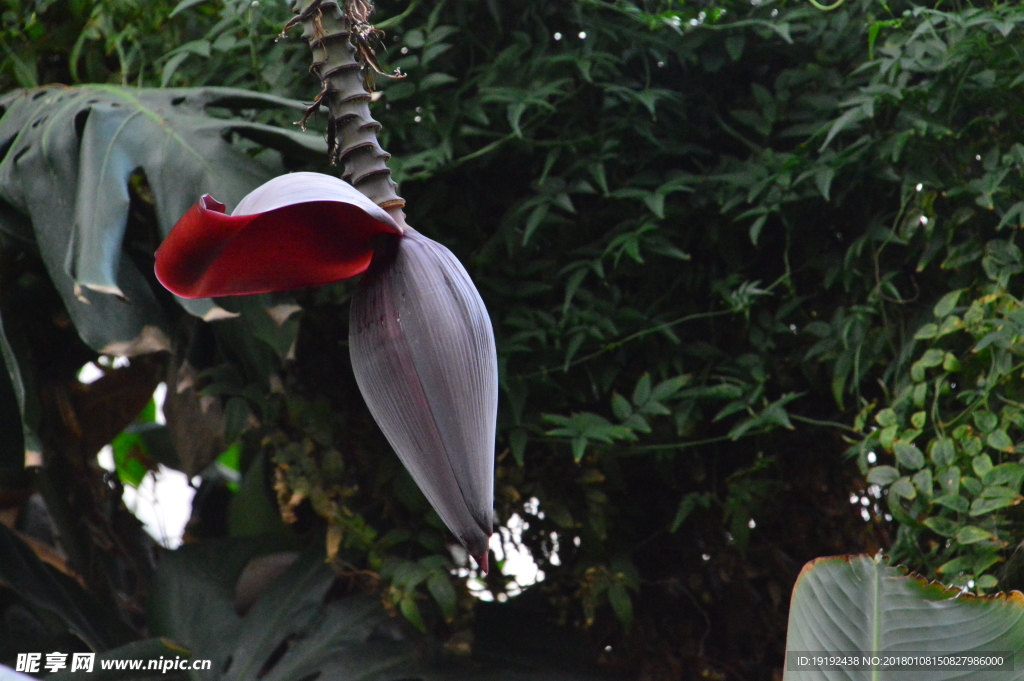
482 562
302 229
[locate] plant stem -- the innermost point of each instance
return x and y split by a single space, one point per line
341 56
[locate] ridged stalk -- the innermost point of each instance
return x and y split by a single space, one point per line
340 56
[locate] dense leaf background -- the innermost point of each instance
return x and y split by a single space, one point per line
719 242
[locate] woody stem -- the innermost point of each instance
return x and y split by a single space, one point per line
340 65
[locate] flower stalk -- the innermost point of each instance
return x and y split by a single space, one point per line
338 38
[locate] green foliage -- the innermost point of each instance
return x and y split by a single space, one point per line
405 576
193 604
583 427
962 406
611 584
136 42
865 167
949 417
80 615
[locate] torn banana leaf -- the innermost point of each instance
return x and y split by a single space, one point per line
68 157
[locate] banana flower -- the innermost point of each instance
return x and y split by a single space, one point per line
420 339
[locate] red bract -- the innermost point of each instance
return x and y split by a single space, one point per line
420 338
303 229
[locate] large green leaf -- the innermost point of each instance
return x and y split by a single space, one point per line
862 605
68 156
290 633
191 592
296 630
44 587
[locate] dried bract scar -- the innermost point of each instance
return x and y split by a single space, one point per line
421 342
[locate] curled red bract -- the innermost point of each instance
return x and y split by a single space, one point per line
302 229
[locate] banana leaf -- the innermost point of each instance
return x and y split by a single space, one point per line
46 588
68 156
862 607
